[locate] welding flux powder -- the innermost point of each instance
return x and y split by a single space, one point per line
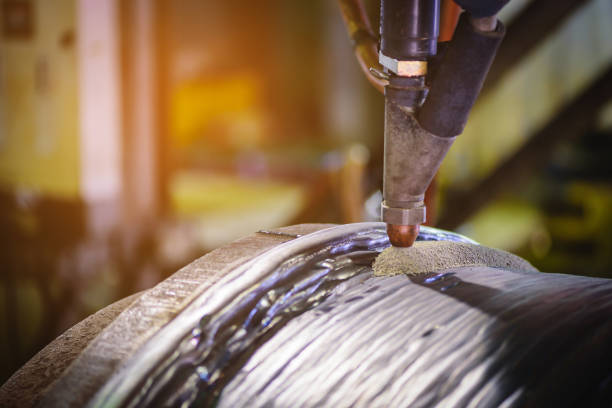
432 256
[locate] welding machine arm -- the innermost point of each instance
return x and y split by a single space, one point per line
421 124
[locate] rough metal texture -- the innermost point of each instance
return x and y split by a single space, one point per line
25 387
120 339
466 337
470 336
217 313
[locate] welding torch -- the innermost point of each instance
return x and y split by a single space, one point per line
429 95
429 90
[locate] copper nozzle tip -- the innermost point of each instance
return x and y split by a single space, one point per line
402 235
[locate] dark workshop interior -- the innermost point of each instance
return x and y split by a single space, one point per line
137 136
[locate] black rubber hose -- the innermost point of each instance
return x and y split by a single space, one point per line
459 78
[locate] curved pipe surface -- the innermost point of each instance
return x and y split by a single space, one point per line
325 258
290 317
340 337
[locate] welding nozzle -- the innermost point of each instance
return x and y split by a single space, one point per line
412 158
402 235
418 134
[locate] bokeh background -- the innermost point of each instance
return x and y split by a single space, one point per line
136 136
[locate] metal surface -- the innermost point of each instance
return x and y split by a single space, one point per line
305 324
412 158
409 32
476 336
411 213
409 29
403 68
406 91
321 260
403 235
127 334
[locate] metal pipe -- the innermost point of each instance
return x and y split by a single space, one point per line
314 257
412 158
289 327
409 32
409 29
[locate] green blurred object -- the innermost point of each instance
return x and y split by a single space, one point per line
505 224
226 207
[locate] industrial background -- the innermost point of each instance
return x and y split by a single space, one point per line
135 136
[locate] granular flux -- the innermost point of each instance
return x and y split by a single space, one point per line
432 256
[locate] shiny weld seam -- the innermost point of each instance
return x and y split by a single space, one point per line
129 380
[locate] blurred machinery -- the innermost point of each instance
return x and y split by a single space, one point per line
126 151
299 316
132 139
62 180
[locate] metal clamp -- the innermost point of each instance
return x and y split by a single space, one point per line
410 68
